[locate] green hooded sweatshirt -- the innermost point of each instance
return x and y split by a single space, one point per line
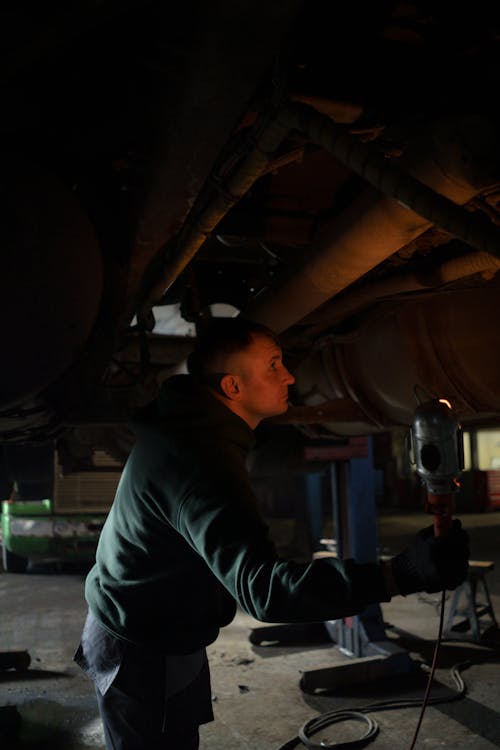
184 541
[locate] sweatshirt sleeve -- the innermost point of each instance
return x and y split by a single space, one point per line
219 520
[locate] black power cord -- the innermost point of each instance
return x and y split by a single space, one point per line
433 669
313 726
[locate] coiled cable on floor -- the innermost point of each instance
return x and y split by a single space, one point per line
313 726
324 720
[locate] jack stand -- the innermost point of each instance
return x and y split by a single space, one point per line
472 611
370 655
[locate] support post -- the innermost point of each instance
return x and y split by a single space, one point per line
361 637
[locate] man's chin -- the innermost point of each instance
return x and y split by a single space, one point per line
281 409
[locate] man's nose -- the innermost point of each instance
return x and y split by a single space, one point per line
289 379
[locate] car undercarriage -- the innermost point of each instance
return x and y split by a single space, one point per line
329 170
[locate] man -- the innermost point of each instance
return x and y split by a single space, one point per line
184 542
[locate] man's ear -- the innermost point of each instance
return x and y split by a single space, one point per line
230 387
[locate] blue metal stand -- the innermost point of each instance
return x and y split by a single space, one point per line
361 637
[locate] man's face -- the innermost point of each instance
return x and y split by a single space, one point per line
261 380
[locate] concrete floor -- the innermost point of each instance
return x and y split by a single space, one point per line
258 703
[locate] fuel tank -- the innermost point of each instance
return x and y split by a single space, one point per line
444 345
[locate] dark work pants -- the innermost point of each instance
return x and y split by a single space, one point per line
147 700
136 716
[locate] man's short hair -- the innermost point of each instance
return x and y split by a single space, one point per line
220 338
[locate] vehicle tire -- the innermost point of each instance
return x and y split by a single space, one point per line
13 563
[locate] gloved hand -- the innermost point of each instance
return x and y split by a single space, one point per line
432 563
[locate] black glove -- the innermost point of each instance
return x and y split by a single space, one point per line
432 563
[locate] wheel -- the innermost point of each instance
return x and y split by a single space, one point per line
13 563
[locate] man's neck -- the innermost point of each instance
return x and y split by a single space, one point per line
236 408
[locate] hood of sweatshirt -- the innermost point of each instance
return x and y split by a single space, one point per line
185 406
